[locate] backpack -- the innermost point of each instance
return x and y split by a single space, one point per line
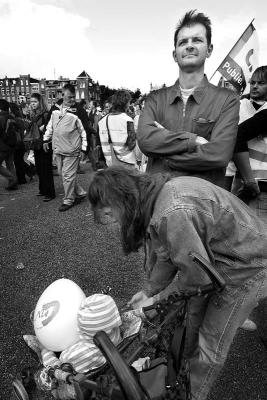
11 135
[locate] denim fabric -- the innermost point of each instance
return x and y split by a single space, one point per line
259 206
67 167
191 214
224 314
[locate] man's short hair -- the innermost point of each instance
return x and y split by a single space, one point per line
261 73
69 87
192 18
4 105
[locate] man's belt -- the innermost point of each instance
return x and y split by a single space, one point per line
262 186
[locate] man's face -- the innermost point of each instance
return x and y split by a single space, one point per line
107 107
258 88
192 48
68 98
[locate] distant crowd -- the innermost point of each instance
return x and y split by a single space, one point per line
27 132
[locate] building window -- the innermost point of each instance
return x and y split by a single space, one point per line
7 91
77 96
42 86
82 94
6 82
3 92
1 83
26 81
14 82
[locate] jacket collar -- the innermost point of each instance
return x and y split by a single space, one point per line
197 95
72 109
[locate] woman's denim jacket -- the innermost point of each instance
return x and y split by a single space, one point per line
193 215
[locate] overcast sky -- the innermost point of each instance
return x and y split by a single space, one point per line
119 43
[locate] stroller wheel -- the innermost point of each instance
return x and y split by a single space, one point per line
19 390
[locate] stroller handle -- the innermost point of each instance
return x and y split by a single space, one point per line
127 381
215 277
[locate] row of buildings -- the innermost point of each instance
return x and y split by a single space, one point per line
19 89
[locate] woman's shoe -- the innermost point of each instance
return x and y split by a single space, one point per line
13 186
48 198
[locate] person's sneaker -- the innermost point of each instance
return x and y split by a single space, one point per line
249 325
65 207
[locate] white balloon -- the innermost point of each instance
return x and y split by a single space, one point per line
55 315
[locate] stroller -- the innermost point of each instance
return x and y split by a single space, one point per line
163 371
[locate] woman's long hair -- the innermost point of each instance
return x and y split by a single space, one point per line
42 103
132 195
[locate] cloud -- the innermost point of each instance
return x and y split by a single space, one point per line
37 39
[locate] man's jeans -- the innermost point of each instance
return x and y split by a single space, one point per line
67 167
9 172
212 325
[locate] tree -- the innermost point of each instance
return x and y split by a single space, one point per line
136 95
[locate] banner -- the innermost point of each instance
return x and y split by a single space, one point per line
242 60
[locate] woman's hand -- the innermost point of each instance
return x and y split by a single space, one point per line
140 300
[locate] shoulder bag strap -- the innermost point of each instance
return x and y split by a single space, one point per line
109 138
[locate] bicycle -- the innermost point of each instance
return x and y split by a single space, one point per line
173 372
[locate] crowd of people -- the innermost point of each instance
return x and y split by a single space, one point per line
185 136
64 136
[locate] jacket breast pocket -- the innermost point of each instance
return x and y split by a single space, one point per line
203 127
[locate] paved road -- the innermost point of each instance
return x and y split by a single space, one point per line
52 245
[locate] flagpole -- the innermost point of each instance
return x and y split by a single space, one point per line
233 46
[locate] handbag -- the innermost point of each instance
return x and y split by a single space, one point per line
153 379
32 138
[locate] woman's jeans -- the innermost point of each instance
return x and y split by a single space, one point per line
212 325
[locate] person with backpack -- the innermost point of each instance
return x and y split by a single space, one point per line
43 159
8 140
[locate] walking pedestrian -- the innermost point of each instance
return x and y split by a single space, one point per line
43 159
116 131
66 129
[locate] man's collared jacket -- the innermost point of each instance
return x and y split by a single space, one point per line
210 112
67 130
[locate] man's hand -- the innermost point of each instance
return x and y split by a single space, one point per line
200 140
249 191
46 147
140 300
